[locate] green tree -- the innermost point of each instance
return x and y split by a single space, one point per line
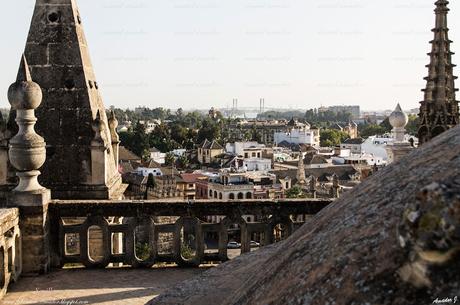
183 162
161 138
332 137
178 133
209 130
136 141
386 125
412 126
372 130
295 192
170 159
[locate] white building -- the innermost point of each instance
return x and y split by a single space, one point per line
245 149
144 171
302 135
230 186
377 145
179 152
257 164
157 156
354 145
364 158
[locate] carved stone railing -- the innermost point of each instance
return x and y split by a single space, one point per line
118 222
10 248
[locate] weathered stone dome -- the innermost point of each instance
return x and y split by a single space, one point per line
398 118
351 252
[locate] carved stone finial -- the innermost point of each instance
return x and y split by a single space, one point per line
113 124
398 120
27 151
98 127
115 139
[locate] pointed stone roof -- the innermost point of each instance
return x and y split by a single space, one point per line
439 110
59 61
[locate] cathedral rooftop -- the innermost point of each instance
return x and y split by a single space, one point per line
350 253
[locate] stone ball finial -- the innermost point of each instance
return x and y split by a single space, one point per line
99 128
398 118
27 152
24 93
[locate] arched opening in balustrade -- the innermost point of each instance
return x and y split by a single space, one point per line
95 244
72 244
188 239
215 194
220 196
164 238
2 267
211 236
233 237
240 195
248 195
210 194
234 240
142 246
231 196
279 228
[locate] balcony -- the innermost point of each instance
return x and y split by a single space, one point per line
88 235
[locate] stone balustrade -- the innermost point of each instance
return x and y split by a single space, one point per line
10 248
77 227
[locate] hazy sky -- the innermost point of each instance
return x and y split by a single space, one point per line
203 53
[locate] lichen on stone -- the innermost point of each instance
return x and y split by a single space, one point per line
430 231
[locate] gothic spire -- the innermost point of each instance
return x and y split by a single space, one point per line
439 109
58 56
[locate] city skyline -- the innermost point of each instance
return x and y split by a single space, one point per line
185 54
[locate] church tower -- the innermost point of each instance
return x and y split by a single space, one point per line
439 110
81 161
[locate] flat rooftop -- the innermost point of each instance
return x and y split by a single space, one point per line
113 286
